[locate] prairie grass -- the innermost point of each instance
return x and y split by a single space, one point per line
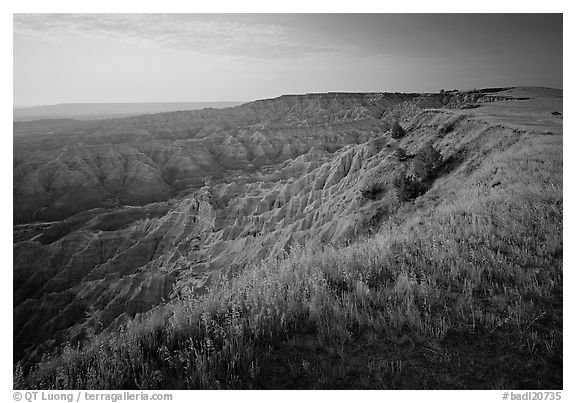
459 292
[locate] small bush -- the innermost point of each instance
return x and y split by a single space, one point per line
401 154
415 181
397 131
372 191
429 158
451 125
408 187
446 129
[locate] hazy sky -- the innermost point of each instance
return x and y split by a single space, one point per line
62 58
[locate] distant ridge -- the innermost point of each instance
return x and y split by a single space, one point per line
109 110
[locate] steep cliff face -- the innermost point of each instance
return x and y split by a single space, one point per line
314 170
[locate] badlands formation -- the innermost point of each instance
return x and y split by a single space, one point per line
113 217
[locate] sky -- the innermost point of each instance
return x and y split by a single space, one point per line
74 58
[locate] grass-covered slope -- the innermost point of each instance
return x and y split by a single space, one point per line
459 287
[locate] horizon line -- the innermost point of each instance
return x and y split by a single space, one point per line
22 106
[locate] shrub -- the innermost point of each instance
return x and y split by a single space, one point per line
401 154
429 159
446 129
397 130
451 125
408 187
415 181
372 191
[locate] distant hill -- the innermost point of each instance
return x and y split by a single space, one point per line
109 110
